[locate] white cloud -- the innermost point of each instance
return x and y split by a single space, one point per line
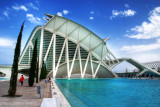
149 29
125 13
145 56
23 8
5 13
33 19
91 18
37 1
129 12
8 10
141 48
20 7
126 5
33 6
65 12
92 12
44 18
4 42
59 14
38 19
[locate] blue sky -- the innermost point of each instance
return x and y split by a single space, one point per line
132 25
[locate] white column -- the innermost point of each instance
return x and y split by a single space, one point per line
49 47
91 64
41 52
84 71
97 69
59 58
80 62
75 53
54 54
67 57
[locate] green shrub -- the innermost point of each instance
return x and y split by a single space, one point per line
43 71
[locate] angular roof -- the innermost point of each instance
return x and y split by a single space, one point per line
77 34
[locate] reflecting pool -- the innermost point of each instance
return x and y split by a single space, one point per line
111 92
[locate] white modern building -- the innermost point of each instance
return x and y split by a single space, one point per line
68 48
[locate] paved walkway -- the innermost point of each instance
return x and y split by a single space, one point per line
29 97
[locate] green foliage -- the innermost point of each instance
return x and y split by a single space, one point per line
43 71
37 71
1 72
13 79
33 66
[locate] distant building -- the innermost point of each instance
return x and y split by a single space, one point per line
153 64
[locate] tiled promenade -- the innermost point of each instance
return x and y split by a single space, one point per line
29 97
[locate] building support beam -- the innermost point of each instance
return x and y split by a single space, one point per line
29 43
112 54
75 53
67 57
91 64
60 57
72 31
143 71
41 52
54 55
97 70
49 47
109 56
80 62
84 71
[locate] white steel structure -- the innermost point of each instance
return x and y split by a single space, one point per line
154 64
68 48
143 68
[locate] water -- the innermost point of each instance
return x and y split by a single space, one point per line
4 79
111 92
6 70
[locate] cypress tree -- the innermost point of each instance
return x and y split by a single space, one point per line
13 79
37 71
43 71
33 66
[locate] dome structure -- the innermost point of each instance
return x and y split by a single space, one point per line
68 48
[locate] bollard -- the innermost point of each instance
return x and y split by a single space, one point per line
39 90
46 81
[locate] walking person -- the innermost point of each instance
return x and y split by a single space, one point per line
21 80
49 79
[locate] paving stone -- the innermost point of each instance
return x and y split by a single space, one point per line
29 97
